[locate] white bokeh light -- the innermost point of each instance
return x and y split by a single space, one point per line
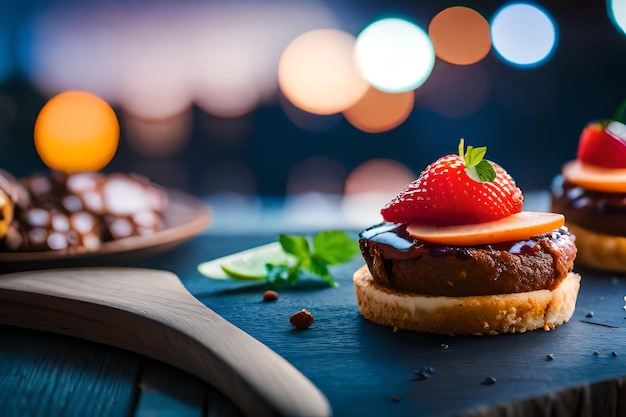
617 13
394 55
523 34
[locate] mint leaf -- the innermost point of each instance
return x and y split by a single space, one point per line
313 256
474 156
305 263
485 171
282 275
297 246
334 247
476 167
320 268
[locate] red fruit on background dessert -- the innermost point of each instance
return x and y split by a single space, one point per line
591 193
603 144
456 254
457 189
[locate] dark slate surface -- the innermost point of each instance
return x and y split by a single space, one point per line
363 368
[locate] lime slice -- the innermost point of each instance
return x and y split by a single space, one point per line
246 265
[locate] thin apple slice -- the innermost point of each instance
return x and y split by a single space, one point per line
514 227
595 178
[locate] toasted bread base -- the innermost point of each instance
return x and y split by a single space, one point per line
599 251
474 315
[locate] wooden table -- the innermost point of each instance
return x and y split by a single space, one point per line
364 369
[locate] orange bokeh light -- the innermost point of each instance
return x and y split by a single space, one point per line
76 131
370 186
381 175
316 72
460 35
378 111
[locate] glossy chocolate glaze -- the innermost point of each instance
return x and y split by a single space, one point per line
400 261
597 211
397 243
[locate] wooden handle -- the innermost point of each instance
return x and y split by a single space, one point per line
150 312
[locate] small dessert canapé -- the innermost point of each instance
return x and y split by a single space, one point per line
456 254
591 193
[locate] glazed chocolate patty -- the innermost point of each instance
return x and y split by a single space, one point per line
594 210
397 260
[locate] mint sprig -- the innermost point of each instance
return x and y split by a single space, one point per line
476 167
312 257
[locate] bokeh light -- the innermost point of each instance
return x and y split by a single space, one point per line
316 72
230 89
155 61
617 12
236 98
386 176
378 111
394 55
152 88
234 50
76 131
523 34
370 186
460 35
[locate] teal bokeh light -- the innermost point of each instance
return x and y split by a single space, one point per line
616 10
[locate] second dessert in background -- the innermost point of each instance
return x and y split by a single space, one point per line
456 254
591 193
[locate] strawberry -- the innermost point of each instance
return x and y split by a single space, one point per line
455 190
603 144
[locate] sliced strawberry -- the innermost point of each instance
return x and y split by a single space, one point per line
603 145
455 190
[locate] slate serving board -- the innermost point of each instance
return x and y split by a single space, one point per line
370 370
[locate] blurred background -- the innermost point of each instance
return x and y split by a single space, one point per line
319 110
